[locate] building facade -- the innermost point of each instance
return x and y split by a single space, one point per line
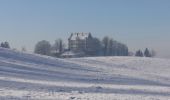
79 42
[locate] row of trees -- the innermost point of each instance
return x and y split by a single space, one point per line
105 47
146 53
5 45
45 48
112 47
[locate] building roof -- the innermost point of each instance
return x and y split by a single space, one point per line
81 36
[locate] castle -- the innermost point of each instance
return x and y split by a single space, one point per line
80 42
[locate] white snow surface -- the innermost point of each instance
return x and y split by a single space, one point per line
26 76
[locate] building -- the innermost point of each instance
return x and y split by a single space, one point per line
71 54
79 42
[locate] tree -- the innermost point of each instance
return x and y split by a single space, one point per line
59 46
2 45
139 53
5 45
97 46
93 47
117 49
110 47
43 47
147 53
114 48
23 49
56 45
124 50
105 43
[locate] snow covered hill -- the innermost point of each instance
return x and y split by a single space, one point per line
26 76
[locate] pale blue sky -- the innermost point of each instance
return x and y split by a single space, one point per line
137 23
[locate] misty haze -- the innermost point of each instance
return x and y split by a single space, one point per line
84 50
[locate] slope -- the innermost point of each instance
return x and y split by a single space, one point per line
31 76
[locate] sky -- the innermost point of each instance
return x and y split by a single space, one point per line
137 23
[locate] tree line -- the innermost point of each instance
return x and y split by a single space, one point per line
5 45
96 47
146 53
112 47
105 47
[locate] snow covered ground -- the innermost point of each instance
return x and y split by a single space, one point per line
33 77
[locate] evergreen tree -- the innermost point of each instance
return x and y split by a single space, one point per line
5 45
147 53
2 45
139 53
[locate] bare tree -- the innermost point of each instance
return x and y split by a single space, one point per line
43 47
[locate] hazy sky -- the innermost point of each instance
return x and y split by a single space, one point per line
137 23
